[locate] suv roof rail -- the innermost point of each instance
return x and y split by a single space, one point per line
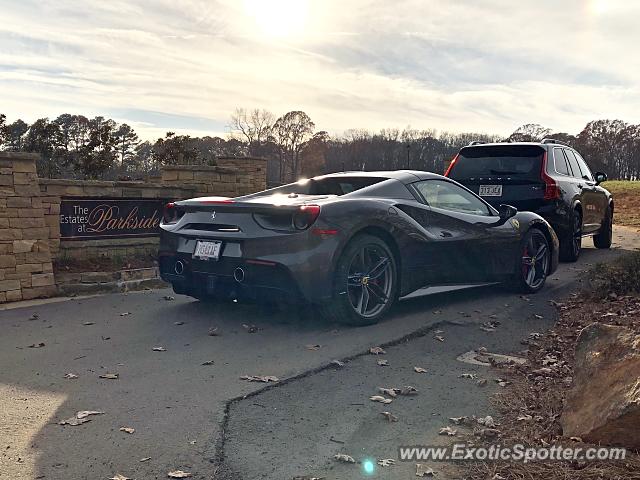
476 142
554 141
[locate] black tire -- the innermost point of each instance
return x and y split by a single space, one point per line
180 289
363 297
571 242
533 262
605 236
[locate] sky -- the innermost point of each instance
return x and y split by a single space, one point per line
485 66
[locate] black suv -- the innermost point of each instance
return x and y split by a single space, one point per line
548 178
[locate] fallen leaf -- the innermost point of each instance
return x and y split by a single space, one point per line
419 370
386 462
70 375
383 363
213 332
458 420
409 390
524 418
89 323
179 474
250 328
124 314
472 376
307 477
119 477
73 421
341 457
260 378
110 376
377 351
35 316
447 431
439 338
79 418
145 459
487 421
87 413
178 323
208 362
193 442
482 382
127 430
392 392
502 382
423 470
169 298
378 398
37 345
539 317
337 363
389 416
159 349
312 347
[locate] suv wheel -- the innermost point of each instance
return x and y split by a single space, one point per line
605 235
571 243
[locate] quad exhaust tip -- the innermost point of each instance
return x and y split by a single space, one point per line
238 275
179 267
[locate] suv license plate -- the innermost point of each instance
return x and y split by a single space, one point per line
207 250
490 190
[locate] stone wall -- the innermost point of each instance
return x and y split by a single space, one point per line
231 177
53 190
25 258
30 215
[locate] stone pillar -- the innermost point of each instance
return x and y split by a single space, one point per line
25 258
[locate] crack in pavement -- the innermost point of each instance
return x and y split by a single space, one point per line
219 456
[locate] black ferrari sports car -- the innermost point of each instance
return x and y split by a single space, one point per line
351 243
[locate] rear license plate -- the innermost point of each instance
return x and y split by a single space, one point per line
490 190
207 250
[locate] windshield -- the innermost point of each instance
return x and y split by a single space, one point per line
328 185
522 161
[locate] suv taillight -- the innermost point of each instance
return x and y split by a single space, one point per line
551 188
453 162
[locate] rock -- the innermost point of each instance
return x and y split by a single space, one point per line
603 406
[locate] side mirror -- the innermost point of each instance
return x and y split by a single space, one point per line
507 211
600 177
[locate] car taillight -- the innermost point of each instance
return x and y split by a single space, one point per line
551 188
453 162
305 216
171 213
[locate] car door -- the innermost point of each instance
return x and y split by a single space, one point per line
597 195
471 244
588 195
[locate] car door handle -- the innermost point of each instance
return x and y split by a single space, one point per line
445 234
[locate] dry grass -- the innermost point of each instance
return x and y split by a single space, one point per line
540 394
626 197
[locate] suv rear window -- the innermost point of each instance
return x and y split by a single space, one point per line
520 161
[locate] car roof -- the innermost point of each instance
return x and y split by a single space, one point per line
405 176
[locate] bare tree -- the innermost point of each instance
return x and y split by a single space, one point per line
531 132
252 126
290 132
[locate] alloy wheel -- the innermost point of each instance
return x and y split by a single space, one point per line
370 280
535 260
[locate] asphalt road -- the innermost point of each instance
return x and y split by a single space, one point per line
193 417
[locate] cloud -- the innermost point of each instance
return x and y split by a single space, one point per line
487 65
